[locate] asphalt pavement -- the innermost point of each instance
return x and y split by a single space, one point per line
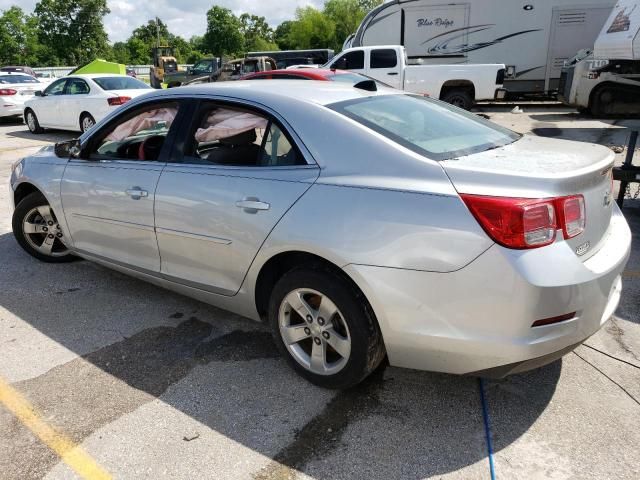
105 376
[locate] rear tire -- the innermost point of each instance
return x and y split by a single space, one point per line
86 122
351 327
32 122
36 230
459 98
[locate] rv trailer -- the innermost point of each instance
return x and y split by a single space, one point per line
532 37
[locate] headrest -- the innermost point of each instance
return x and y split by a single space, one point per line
244 138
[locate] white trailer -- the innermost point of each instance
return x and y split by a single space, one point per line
533 38
607 80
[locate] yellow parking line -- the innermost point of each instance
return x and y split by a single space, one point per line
631 273
70 453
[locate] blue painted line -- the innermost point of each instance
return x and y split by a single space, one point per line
487 428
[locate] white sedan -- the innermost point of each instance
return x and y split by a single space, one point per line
15 89
77 102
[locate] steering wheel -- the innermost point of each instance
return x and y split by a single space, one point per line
150 147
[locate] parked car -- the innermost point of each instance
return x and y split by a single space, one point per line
358 223
321 74
131 72
19 69
460 84
77 102
15 89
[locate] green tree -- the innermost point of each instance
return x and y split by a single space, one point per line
19 39
73 29
346 15
224 36
312 29
281 35
257 33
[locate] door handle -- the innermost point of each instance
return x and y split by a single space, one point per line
392 73
252 205
137 193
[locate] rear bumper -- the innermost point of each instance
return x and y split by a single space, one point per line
479 319
9 108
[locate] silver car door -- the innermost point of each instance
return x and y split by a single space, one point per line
215 208
108 196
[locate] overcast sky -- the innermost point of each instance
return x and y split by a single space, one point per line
184 17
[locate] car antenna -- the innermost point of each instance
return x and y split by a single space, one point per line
368 85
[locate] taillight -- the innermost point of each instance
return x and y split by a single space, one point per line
114 101
572 215
7 91
524 223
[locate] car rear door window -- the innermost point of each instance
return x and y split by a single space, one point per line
236 137
384 58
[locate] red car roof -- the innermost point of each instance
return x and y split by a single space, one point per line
310 73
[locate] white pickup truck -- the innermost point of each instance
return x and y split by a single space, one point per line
458 84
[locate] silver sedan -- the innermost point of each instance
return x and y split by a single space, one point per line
360 222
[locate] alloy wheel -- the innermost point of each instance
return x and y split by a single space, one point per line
314 331
31 121
43 233
87 123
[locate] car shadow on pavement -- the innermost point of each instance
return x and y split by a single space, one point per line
139 344
46 136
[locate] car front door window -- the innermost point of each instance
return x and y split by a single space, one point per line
140 136
56 88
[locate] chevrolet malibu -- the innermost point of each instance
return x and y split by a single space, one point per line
359 222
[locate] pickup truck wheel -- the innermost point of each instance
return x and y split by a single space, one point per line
37 231
32 122
324 327
459 98
600 101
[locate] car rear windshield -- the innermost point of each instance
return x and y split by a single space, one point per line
18 79
429 127
120 83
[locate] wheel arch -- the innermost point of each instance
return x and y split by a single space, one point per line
23 190
281 263
458 84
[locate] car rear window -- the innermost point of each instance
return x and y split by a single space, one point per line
429 127
120 83
18 79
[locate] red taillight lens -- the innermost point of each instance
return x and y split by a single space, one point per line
572 215
515 222
552 320
114 101
527 223
7 91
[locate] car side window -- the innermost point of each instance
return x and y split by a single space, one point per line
56 88
140 135
277 150
350 61
237 137
383 58
77 86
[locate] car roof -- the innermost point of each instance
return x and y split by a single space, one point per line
95 75
2 72
318 92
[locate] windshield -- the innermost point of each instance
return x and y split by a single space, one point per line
18 79
120 83
429 127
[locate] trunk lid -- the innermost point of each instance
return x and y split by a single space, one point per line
535 167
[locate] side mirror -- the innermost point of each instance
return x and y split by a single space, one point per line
68 149
39 93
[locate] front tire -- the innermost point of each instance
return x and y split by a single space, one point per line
325 327
37 231
32 122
